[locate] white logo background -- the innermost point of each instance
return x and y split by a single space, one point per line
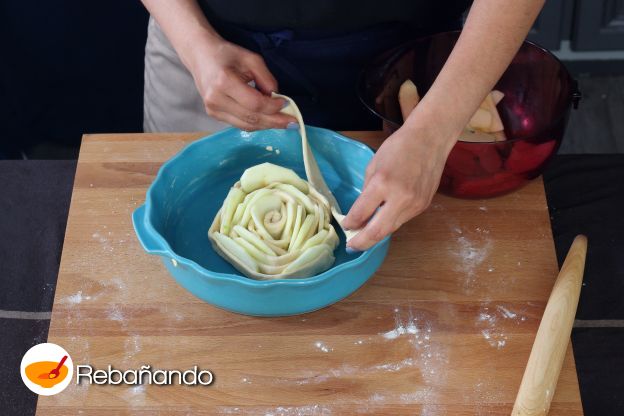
46 352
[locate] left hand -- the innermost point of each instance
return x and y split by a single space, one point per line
401 180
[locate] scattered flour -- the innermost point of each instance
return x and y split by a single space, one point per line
132 346
76 298
470 254
506 312
138 389
394 367
420 354
401 329
322 346
229 410
115 282
430 358
115 313
417 396
135 395
97 236
105 243
376 398
490 320
310 410
305 410
495 339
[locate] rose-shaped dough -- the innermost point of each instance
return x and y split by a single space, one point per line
274 225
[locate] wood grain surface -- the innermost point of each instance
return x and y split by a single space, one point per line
444 328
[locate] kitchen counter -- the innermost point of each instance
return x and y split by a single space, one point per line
445 326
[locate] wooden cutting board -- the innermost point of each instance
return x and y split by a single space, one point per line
444 327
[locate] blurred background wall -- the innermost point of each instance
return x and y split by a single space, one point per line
69 67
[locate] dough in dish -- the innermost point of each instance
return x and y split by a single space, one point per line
274 225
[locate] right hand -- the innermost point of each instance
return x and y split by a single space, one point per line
222 71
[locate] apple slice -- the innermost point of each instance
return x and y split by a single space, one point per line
408 98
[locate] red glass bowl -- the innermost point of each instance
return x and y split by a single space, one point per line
539 92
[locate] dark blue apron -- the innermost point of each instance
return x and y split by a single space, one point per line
319 68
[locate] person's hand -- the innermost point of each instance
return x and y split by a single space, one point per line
401 180
222 72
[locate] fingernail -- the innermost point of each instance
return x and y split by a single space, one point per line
292 126
351 250
286 104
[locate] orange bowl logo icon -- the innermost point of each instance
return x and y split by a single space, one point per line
46 369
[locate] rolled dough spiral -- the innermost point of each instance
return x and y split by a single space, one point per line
274 225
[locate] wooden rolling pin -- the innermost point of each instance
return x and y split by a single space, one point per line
542 371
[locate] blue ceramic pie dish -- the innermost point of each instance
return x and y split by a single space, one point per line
190 188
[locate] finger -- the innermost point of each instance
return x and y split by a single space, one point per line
261 74
259 120
381 225
233 120
363 207
370 170
414 209
250 98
